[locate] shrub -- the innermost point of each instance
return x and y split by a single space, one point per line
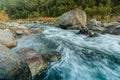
3 16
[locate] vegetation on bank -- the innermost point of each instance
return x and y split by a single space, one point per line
3 16
22 9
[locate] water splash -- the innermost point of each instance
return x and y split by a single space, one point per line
83 58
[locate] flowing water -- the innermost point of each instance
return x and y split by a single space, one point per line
83 58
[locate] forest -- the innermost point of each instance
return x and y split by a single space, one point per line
22 9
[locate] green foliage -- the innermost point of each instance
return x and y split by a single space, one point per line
116 10
91 11
35 8
104 10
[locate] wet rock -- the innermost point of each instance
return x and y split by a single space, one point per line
3 26
51 57
118 20
35 61
21 30
111 25
106 28
7 38
93 23
13 66
38 62
112 28
86 32
74 19
37 30
95 26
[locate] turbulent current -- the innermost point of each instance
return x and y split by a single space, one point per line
83 57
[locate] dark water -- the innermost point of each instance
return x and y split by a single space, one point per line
83 58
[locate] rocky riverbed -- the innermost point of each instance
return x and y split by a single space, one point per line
35 62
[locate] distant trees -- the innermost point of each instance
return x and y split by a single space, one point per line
35 8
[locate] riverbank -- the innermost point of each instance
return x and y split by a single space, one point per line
44 48
53 20
42 20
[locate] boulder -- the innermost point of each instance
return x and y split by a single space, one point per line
13 66
3 26
106 28
95 26
112 28
118 20
7 38
35 61
93 23
38 62
111 24
74 19
21 30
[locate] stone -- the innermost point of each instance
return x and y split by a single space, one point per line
7 38
21 30
93 23
115 30
51 57
37 31
118 20
111 24
106 28
13 66
35 61
74 19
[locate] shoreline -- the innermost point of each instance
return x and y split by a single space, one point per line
40 20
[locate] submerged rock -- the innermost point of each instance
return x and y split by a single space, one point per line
35 61
37 30
13 66
51 57
74 19
7 38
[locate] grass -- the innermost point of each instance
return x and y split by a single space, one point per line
105 19
4 16
48 20
53 20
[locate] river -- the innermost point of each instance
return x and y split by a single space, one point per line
83 57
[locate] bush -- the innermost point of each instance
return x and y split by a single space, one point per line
3 16
104 11
52 8
116 10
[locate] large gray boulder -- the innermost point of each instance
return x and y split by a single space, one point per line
7 38
13 66
74 19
